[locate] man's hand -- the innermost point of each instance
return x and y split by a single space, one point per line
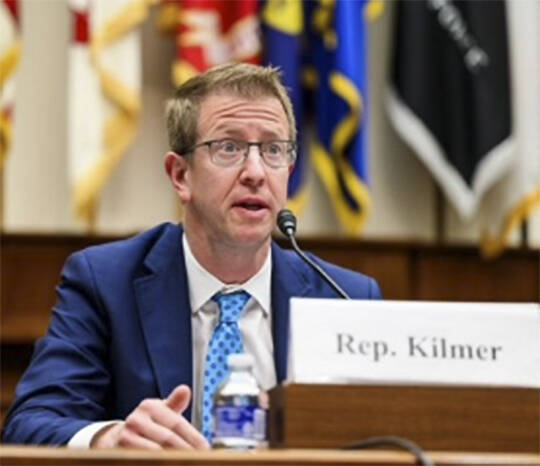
153 425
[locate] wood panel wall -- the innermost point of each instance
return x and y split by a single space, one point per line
30 267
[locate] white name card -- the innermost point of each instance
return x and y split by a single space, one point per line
413 342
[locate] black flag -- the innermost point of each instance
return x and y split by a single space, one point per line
450 93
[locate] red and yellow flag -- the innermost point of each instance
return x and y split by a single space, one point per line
211 32
10 53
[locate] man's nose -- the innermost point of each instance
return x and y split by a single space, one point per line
254 168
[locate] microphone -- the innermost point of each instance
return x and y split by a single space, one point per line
286 222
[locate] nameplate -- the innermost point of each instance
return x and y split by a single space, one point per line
412 342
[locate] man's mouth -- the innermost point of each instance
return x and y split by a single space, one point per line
251 205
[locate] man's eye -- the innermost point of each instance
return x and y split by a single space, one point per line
274 148
229 146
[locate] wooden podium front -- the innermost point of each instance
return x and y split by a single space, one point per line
435 418
31 456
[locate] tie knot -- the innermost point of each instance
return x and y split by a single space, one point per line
231 305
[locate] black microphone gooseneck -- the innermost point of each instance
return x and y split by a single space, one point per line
287 225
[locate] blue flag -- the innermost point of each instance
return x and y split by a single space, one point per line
283 29
337 55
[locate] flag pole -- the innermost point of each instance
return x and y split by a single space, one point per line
440 211
524 234
1 199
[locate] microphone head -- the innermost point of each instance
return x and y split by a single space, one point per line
286 222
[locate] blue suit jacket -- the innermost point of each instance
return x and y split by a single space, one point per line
121 332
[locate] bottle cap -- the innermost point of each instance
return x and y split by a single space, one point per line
240 361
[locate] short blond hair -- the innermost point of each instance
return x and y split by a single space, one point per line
239 79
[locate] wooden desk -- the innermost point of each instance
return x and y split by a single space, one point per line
444 418
11 456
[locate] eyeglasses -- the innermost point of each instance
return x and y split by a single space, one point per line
231 152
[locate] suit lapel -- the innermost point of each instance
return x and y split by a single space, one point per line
165 312
287 281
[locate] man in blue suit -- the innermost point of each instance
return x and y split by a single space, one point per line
123 362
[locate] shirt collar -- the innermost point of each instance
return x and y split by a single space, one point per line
203 285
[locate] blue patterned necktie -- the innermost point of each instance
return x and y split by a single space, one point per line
225 340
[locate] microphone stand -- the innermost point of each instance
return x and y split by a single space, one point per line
287 225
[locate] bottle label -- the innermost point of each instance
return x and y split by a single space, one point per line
247 422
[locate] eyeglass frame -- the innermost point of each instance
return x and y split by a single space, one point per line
258 144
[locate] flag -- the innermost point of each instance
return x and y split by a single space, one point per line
449 97
10 52
283 29
337 73
104 93
517 194
210 33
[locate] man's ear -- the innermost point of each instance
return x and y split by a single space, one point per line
178 171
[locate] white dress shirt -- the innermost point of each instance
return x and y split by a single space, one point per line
255 325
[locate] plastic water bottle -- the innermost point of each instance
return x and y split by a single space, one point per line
240 409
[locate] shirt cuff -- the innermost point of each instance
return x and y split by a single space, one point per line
83 437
